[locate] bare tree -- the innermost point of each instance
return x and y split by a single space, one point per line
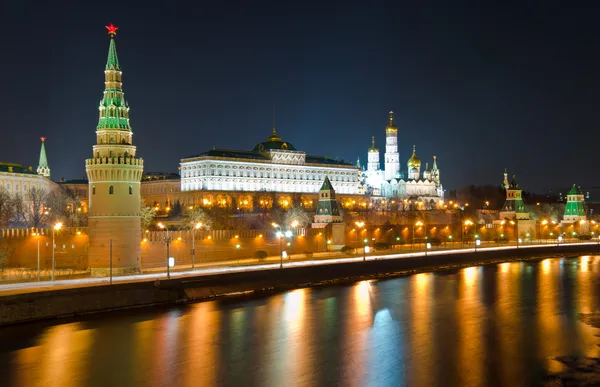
295 213
196 216
147 215
36 213
7 210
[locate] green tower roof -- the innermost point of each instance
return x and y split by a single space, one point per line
327 185
112 63
575 191
43 159
114 110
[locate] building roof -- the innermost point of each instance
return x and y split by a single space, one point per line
273 142
16 168
254 155
74 181
575 191
373 148
414 161
391 128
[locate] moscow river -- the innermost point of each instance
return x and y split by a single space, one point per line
496 325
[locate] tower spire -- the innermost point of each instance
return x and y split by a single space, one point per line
273 131
43 168
114 110
435 167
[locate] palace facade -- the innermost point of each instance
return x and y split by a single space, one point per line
272 166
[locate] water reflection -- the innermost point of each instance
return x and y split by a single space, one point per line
497 325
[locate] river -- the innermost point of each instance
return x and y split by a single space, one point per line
496 325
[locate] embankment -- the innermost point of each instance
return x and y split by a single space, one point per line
72 302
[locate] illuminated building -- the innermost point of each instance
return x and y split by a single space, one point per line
391 182
272 166
18 180
114 175
574 210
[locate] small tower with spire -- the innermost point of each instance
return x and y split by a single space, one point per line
43 168
574 209
514 207
373 157
114 173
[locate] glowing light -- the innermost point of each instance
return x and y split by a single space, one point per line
478 242
288 234
58 226
367 249
171 261
278 234
112 30
428 245
237 246
78 232
179 238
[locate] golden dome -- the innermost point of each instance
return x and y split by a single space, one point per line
372 148
391 128
414 161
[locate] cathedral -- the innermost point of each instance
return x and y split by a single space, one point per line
391 181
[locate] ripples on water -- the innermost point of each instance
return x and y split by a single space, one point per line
497 325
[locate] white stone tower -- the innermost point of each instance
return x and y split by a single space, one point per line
114 175
392 157
373 157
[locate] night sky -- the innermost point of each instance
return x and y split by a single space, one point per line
482 88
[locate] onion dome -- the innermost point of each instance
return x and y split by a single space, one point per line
391 128
274 142
414 161
427 173
372 148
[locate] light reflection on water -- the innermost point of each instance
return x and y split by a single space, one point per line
496 325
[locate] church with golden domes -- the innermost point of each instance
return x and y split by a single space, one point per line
391 182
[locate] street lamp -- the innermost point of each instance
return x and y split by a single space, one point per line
419 223
467 224
365 249
167 242
35 234
288 234
56 227
196 227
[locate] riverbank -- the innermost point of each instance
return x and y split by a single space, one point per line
19 308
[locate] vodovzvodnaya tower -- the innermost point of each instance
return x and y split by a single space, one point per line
114 175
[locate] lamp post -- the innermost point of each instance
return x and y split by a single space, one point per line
196 227
419 223
360 226
279 235
56 227
35 234
365 249
467 224
167 242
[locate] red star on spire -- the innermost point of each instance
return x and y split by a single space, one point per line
43 139
112 30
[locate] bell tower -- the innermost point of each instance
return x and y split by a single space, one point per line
114 173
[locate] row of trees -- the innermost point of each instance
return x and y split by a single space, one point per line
40 208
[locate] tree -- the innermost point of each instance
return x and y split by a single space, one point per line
34 212
7 210
146 214
196 216
294 213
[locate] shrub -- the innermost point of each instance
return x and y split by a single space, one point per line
260 254
346 249
381 246
308 254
